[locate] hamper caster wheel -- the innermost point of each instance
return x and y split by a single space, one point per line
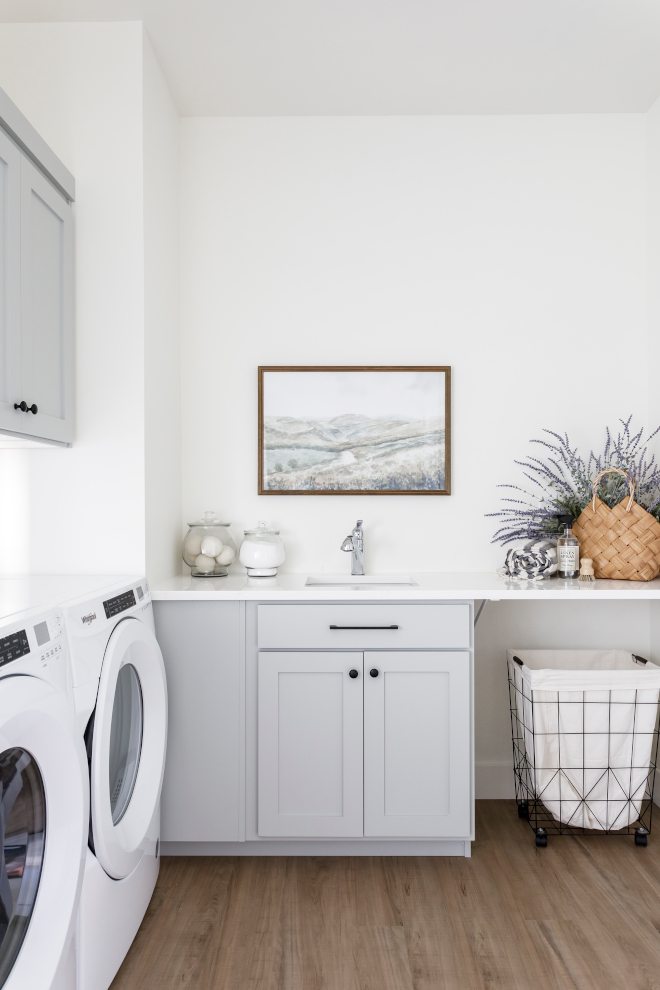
523 810
641 836
542 837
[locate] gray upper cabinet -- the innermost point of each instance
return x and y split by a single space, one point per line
10 282
36 287
46 348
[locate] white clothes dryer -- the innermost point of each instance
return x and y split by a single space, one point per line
120 701
44 804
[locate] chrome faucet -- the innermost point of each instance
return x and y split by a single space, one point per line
354 544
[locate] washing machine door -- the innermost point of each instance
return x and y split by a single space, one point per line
128 747
43 804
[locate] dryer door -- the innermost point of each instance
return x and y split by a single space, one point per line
128 748
43 810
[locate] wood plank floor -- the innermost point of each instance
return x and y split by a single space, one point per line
583 914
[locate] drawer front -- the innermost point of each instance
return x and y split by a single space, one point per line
363 626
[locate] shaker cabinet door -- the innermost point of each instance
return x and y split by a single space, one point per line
46 308
417 741
10 284
310 744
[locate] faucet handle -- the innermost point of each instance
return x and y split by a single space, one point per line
358 525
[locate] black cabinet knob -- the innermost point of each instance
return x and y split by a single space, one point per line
23 406
353 673
373 672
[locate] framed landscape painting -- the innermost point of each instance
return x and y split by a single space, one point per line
354 431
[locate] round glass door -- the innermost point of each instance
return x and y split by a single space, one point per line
125 740
22 842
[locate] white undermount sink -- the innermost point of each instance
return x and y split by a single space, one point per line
361 580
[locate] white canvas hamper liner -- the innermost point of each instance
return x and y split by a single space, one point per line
587 719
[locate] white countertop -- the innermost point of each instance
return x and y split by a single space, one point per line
430 587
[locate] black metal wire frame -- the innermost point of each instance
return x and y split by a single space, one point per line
531 804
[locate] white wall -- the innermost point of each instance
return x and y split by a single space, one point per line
162 438
511 248
653 231
81 85
85 505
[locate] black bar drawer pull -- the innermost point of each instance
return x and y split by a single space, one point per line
364 627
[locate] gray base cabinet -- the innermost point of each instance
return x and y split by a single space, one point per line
202 649
342 723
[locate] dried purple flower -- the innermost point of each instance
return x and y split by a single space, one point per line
565 480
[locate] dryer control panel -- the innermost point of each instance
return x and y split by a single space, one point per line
36 644
14 646
48 634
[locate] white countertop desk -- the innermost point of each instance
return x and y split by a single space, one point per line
213 653
461 586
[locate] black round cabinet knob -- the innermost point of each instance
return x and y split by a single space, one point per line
23 406
353 673
373 672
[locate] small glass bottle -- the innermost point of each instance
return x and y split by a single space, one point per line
568 553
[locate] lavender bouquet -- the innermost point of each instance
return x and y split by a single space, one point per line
561 483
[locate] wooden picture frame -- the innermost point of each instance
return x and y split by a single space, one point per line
403 452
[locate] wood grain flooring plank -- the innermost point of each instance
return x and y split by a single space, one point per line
588 959
590 900
583 914
189 902
377 894
503 953
381 959
508 845
438 946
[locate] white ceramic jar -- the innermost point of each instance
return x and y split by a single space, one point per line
262 551
209 548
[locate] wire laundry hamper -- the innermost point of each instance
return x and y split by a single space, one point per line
584 726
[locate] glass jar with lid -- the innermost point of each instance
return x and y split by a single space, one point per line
209 547
262 551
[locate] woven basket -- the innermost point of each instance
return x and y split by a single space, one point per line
623 542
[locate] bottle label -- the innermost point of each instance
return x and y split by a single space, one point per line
568 558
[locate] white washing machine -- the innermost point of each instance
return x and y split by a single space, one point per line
43 804
120 701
